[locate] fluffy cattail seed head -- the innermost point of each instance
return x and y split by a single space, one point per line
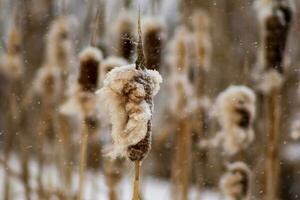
235 111
153 39
90 59
235 183
128 94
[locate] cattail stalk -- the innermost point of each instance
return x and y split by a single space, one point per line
135 87
275 19
82 161
181 166
136 190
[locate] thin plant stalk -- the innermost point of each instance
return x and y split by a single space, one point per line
272 163
136 190
82 164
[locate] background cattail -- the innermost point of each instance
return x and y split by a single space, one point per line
235 111
124 36
153 39
11 64
182 107
275 18
236 182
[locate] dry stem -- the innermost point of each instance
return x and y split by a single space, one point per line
83 150
272 159
136 192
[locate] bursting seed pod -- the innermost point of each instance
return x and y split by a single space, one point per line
11 63
235 183
235 111
153 39
128 93
275 18
124 36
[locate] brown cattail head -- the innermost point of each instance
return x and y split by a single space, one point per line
201 24
11 62
275 19
125 36
235 183
90 59
153 39
59 46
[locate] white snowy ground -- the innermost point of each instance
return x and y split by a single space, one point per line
95 187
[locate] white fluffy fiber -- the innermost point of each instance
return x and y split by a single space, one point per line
230 183
129 120
232 137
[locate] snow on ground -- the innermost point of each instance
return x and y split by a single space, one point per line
95 188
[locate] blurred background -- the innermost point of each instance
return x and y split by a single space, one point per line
42 116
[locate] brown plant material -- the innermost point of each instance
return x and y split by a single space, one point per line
124 36
275 20
89 69
235 183
153 39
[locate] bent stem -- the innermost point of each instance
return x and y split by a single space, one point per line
136 192
83 148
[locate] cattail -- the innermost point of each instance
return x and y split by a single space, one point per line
153 39
11 64
59 45
128 92
89 69
275 17
12 69
201 25
235 183
182 107
235 111
90 59
202 56
124 36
